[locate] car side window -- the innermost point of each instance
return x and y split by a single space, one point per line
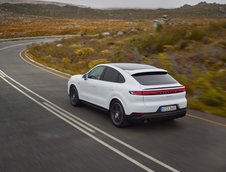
112 75
96 72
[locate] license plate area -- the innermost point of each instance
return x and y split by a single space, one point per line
168 108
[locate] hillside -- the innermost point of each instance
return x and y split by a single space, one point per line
31 2
194 55
201 10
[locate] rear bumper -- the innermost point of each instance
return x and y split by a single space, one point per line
159 115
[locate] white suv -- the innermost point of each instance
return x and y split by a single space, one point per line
129 91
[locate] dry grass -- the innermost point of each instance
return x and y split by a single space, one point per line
50 26
195 55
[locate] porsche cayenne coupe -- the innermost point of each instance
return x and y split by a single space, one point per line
130 91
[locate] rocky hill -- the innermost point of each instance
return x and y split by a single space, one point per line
201 10
31 2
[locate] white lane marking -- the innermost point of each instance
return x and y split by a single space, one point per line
2 74
11 46
119 141
83 131
68 117
99 130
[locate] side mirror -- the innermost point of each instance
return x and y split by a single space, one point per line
85 76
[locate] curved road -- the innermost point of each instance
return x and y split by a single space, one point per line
41 131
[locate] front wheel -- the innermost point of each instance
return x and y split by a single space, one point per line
74 97
117 114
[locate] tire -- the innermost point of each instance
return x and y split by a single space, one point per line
74 97
117 114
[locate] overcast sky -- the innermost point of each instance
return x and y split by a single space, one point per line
135 3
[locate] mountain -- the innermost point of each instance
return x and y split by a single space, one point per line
60 10
16 1
32 2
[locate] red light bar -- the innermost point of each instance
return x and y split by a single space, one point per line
158 92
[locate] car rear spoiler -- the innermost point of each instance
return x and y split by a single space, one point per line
133 72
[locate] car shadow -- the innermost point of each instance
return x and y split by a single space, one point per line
139 125
157 125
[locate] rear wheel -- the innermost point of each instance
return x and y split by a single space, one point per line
74 97
117 114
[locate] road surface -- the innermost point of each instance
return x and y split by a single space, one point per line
41 131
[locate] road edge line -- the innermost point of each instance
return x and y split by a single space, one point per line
43 67
207 120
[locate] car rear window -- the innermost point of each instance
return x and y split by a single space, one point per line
154 78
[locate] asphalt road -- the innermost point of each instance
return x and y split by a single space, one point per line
41 131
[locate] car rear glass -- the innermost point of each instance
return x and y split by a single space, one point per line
154 78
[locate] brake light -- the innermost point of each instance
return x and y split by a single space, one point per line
158 92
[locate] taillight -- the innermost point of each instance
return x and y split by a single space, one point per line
158 92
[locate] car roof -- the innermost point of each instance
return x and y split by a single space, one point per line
134 68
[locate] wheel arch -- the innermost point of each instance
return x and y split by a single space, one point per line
72 85
120 100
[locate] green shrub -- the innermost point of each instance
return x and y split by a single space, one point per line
104 52
85 52
159 27
66 60
214 26
165 62
155 43
117 57
183 44
197 34
213 97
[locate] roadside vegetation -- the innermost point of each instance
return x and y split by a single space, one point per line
42 26
194 54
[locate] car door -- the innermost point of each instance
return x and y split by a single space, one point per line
88 84
105 88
